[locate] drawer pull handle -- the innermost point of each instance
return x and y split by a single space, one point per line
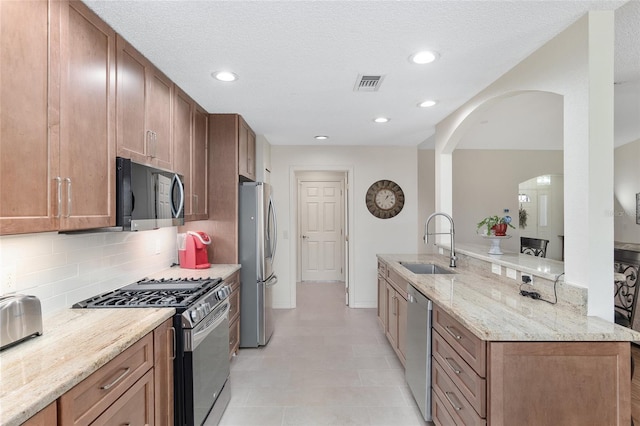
454 333
453 366
450 396
120 377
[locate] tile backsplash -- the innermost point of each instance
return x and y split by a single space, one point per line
62 269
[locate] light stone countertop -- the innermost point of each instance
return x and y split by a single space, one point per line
74 344
493 310
542 267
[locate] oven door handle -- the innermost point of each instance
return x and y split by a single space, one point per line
209 326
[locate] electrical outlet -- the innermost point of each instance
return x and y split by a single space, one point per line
511 273
496 269
158 245
9 279
440 250
526 278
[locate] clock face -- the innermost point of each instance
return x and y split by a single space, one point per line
384 199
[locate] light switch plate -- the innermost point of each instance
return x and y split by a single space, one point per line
512 273
496 269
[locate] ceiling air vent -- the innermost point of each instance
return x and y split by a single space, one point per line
368 83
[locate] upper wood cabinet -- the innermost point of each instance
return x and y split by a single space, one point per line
229 138
57 145
144 109
28 156
190 143
199 165
246 151
87 119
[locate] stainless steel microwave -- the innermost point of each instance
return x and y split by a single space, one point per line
147 198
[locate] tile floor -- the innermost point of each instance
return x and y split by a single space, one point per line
325 364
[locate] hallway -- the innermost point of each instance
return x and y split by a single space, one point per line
325 364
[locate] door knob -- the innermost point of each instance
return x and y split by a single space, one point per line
304 237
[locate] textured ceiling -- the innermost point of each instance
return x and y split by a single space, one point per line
298 61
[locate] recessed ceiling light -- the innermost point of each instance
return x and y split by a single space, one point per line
381 120
321 137
424 57
427 104
224 76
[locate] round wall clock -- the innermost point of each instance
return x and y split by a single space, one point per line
384 199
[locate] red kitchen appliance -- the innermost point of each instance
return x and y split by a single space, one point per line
192 250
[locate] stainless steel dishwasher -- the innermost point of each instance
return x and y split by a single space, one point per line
418 352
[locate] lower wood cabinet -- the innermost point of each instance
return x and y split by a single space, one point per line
136 387
234 313
567 383
392 309
164 352
476 382
46 417
134 407
635 383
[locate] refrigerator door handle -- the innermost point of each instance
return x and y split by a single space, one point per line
271 281
275 229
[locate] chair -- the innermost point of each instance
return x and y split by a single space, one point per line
533 246
626 268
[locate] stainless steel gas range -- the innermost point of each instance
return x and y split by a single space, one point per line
201 365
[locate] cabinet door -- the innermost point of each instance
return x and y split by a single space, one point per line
392 315
46 417
182 113
382 302
251 155
246 151
87 119
243 148
28 152
199 168
158 104
567 383
402 328
164 352
132 87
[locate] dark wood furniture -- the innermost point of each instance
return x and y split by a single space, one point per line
533 246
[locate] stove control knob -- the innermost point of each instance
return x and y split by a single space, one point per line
194 315
223 293
206 309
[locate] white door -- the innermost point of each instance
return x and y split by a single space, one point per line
163 201
321 231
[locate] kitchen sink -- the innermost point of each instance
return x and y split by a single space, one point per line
426 268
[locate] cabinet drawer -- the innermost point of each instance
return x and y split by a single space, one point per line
134 407
472 349
472 386
89 398
398 282
234 305
450 396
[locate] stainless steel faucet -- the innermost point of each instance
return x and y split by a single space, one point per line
452 232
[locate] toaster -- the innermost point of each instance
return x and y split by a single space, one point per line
20 319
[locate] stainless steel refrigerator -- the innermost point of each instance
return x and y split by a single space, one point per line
257 247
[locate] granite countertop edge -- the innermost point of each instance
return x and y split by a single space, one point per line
494 311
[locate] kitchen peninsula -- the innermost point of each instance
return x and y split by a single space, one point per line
502 359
